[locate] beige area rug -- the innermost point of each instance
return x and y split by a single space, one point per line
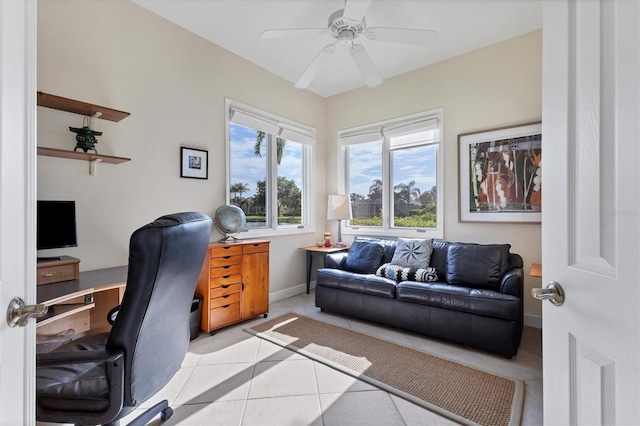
461 393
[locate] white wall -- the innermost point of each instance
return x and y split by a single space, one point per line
174 84
496 86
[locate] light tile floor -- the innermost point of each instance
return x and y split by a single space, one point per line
233 378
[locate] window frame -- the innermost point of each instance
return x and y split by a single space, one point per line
387 177
308 171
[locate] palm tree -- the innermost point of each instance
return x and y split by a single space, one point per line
280 144
238 188
375 190
407 191
375 195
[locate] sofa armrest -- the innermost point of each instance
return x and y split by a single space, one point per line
512 282
335 260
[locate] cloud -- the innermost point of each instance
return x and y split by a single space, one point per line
248 168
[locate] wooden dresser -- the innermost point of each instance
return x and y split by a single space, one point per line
234 283
53 271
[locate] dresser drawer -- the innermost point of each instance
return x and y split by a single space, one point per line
54 274
224 271
225 280
224 315
255 248
224 300
225 290
228 250
226 261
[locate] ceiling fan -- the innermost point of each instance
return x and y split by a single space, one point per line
345 26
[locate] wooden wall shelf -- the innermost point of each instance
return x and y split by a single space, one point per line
78 107
82 108
81 155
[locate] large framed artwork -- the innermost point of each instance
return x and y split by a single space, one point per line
194 163
500 174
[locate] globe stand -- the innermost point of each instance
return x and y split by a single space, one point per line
229 239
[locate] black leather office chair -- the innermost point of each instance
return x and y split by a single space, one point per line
101 378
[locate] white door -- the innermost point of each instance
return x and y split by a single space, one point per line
17 206
591 210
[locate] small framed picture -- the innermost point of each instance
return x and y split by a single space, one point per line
194 163
500 174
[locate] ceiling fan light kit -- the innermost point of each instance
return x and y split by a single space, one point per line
345 25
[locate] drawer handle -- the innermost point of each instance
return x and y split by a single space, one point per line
226 247
47 275
226 257
256 245
226 267
226 276
225 306
225 296
226 286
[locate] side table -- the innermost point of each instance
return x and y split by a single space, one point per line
318 251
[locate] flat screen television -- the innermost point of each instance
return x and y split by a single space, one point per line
56 225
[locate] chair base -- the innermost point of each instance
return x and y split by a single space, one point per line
161 407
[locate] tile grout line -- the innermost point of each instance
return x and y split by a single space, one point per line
315 376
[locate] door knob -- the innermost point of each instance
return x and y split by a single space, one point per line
554 293
18 313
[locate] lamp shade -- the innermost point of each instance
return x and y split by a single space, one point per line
339 208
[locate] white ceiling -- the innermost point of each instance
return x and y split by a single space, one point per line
236 25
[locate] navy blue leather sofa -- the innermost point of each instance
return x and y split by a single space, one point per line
476 299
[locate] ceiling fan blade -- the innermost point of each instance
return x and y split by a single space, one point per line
294 32
366 66
310 73
355 9
403 35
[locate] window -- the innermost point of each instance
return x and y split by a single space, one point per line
393 172
269 170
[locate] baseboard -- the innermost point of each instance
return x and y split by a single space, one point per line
534 321
289 292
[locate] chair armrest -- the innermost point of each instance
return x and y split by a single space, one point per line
77 357
114 368
335 260
113 314
512 282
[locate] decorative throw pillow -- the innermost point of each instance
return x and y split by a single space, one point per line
412 253
399 273
364 257
477 265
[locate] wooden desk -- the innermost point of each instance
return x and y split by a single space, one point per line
318 251
82 304
536 270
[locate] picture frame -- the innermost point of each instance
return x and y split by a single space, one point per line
500 176
194 163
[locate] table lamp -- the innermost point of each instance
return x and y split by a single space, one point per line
339 208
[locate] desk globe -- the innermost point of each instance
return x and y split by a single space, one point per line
229 220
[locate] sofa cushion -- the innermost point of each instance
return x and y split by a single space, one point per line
365 256
388 246
477 265
462 299
439 257
358 283
400 273
412 253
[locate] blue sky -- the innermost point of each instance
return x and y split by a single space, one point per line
248 168
416 164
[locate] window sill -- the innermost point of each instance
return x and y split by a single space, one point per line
266 233
400 233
